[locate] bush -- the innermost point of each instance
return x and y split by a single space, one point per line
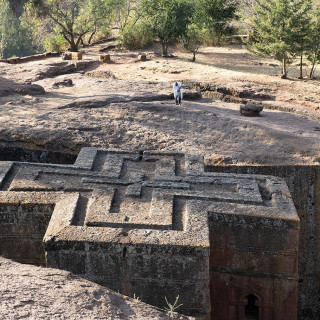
136 37
55 43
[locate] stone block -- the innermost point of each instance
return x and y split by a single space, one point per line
14 60
104 58
76 55
66 56
142 57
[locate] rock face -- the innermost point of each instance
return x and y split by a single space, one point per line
30 292
23 89
251 110
156 224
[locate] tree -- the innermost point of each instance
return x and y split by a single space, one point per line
216 15
73 19
302 28
15 38
192 40
125 12
313 50
168 19
275 28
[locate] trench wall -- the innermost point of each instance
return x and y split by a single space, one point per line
304 185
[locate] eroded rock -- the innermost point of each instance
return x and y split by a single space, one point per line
31 292
251 110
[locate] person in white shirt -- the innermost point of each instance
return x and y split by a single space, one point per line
177 92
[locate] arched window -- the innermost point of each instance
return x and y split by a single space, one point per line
251 311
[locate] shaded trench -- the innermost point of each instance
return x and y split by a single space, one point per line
23 226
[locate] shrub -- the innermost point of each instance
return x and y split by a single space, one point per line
55 43
137 36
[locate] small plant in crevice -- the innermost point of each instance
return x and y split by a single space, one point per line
170 308
136 297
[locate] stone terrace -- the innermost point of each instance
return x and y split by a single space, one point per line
155 225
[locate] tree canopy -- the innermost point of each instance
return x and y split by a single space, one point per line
168 19
279 29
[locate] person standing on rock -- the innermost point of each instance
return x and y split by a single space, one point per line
177 92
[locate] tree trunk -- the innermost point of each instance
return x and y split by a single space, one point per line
284 68
194 56
313 68
301 60
73 47
92 34
164 48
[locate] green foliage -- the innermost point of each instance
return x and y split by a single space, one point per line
215 16
313 49
172 307
276 28
192 40
136 36
15 37
73 19
55 43
168 19
125 12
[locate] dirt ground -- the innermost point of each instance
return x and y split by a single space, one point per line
127 104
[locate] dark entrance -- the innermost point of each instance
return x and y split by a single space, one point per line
251 311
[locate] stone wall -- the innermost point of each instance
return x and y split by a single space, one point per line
31 58
24 219
304 185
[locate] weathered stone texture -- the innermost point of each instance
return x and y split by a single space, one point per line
71 56
304 185
142 57
250 110
156 224
104 58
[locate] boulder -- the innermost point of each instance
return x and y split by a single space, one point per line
251 110
142 57
63 83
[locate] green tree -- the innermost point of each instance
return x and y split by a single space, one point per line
216 15
15 38
313 50
73 19
275 28
192 40
168 19
302 29
125 13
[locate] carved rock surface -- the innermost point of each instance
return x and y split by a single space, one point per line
30 292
